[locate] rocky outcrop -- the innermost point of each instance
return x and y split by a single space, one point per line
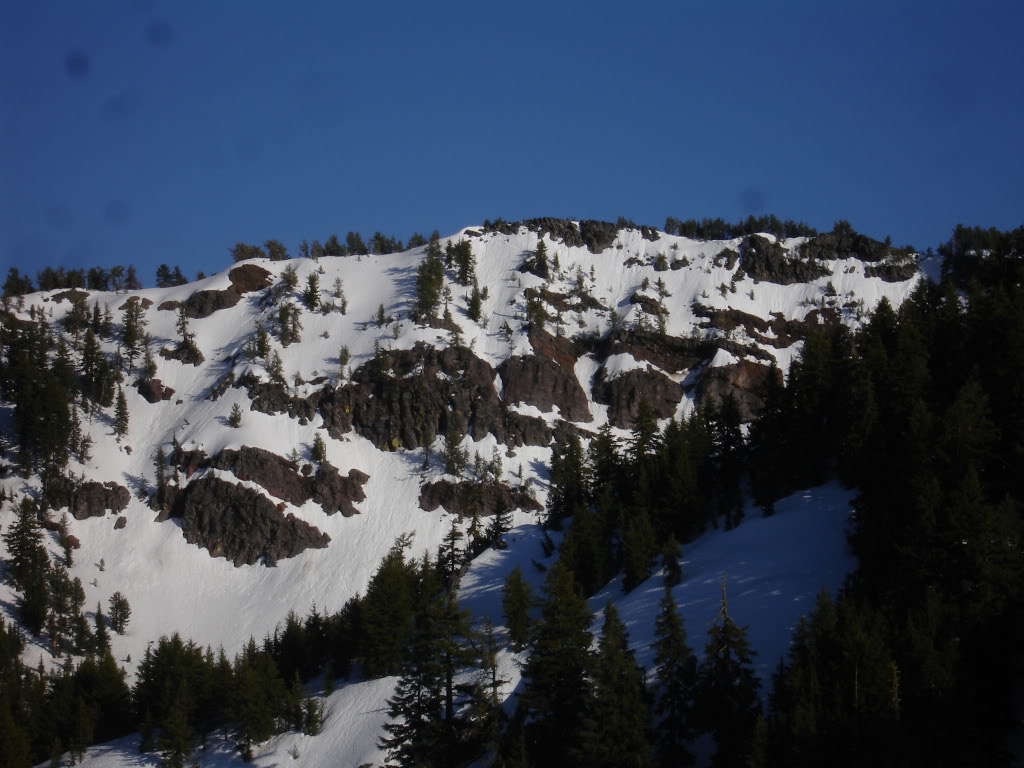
402 398
87 499
521 429
745 380
624 394
153 390
189 354
246 278
204 303
463 498
648 304
282 478
541 382
241 524
72 295
146 303
270 398
763 259
669 353
784 332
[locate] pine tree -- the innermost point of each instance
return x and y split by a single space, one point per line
558 672
235 417
319 450
676 667
615 731
311 296
121 415
516 601
726 698
120 612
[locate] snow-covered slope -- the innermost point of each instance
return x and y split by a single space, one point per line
774 566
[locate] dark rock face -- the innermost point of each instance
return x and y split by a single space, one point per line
670 353
624 393
282 478
120 523
746 380
169 305
765 260
401 398
521 429
204 303
784 332
540 381
153 390
249 277
183 353
146 303
88 499
72 295
648 304
463 497
241 524
271 398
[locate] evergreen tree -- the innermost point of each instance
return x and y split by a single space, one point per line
120 612
617 717
121 414
676 667
516 602
319 450
311 296
726 699
558 673
235 417
430 280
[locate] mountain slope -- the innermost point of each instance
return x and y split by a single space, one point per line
650 316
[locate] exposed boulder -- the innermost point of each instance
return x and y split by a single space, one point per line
153 390
169 305
624 394
241 524
558 348
463 498
120 523
745 380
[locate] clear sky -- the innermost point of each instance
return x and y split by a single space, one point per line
151 131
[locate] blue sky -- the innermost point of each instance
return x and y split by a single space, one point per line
152 132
